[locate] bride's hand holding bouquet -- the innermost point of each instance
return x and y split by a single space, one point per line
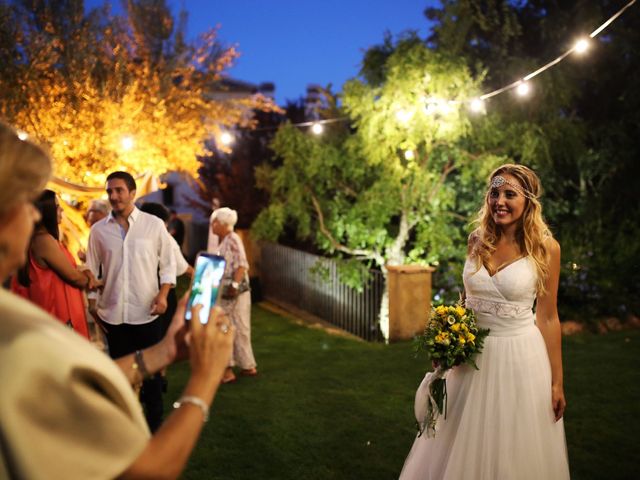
451 338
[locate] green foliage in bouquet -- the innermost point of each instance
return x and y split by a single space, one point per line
452 337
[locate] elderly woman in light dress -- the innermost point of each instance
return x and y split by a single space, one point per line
236 296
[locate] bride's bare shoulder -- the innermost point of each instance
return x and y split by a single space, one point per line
552 246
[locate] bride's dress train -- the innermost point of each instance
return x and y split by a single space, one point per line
500 423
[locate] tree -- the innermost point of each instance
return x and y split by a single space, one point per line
357 192
108 92
229 179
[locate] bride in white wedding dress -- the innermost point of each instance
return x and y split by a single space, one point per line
504 421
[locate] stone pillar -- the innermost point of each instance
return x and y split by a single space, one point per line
409 288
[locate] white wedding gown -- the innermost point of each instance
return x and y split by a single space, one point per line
500 423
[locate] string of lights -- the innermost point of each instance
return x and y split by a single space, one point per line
316 125
477 104
438 105
580 47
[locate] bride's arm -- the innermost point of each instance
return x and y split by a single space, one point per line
548 322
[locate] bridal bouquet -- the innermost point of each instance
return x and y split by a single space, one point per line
451 338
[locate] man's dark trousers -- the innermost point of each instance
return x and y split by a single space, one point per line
125 339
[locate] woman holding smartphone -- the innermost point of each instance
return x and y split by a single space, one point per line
68 411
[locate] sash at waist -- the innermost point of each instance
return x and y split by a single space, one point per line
499 309
503 319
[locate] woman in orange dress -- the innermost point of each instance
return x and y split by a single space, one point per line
50 278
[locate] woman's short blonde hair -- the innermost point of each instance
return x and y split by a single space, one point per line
225 215
25 168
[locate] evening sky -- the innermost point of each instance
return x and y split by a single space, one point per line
293 43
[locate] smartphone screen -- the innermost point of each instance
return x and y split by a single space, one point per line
207 276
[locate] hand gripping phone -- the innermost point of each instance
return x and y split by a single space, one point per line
205 285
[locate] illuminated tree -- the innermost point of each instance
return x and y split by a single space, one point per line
108 92
384 190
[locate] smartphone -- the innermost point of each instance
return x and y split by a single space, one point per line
205 285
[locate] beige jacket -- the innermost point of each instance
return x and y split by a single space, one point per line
66 410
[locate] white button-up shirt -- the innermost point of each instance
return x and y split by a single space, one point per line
130 266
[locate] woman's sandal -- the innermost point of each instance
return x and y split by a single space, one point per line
229 376
228 379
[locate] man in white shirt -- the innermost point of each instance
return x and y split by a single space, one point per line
133 249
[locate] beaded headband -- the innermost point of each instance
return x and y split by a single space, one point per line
498 181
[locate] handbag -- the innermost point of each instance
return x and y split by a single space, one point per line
243 286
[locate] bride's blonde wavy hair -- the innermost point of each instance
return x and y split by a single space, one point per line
532 230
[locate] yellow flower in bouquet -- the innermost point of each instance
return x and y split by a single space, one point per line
451 338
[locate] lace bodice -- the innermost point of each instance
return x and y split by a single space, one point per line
502 302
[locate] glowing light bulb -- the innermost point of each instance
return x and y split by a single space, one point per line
409 155
477 105
404 116
22 135
523 89
127 143
317 128
444 107
226 138
581 46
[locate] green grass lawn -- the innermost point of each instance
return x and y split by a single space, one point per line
330 407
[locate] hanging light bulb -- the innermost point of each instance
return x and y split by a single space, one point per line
477 105
523 89
409 155
22 135
581 46
445 107
404 116
317 128
127 143
226 138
